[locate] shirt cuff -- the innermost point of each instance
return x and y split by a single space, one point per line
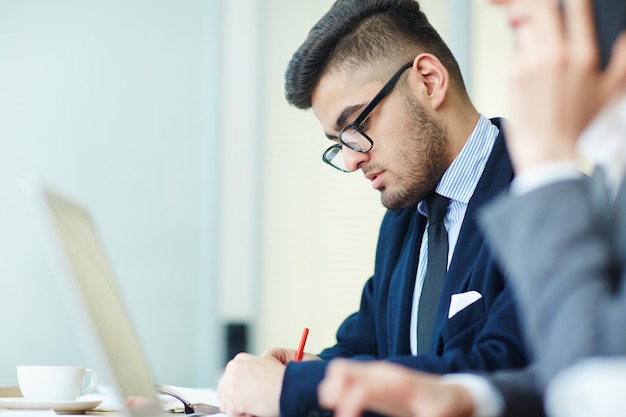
487 400
545 174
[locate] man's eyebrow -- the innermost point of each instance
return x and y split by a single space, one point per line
347 112
341 120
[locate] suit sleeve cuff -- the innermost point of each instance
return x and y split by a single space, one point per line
299 391
487 400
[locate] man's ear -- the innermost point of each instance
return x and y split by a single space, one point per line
434 77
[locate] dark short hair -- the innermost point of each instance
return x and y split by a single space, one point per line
358 33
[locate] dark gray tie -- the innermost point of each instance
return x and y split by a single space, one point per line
437 206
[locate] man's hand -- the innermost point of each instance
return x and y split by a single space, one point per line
284 355
350 388
557 86
251 386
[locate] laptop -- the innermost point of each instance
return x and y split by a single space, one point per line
89 282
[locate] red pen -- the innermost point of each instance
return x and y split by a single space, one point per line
305 333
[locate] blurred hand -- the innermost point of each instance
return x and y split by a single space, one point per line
557 86
350 388
285 355
251 386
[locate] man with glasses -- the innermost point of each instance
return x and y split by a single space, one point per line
390 96
571 226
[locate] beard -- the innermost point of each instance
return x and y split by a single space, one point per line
421 164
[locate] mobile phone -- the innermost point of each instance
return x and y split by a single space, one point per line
610 21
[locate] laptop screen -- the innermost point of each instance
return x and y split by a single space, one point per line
90 274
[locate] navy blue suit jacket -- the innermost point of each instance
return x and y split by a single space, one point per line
484 336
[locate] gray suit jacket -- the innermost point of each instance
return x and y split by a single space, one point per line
564 251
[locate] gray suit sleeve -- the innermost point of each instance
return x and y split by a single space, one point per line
562 265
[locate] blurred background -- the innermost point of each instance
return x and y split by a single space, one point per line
166 119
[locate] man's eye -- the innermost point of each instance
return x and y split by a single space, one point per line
365 124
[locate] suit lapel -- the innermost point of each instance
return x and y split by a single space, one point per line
496 178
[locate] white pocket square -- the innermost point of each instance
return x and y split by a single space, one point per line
460 301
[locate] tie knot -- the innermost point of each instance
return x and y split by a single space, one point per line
436 206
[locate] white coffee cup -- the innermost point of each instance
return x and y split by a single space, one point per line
55 383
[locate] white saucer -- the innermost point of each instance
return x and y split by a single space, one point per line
61 407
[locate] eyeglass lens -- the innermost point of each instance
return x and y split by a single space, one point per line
334 157
355 140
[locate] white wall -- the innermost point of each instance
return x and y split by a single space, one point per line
491 49
319 226
114 102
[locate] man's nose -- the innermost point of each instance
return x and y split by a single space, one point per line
353 159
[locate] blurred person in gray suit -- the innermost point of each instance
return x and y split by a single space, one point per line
561 236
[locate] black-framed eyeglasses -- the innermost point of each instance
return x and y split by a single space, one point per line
353 135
